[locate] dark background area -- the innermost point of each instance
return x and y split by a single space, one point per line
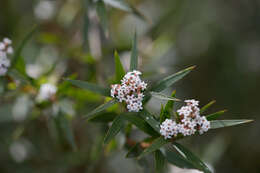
222 38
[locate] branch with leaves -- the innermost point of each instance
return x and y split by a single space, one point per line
163 149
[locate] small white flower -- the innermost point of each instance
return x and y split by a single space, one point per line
4 64
169 128
204 124
192 102
7 41
2 46
190 121
130 90
5 48
46 92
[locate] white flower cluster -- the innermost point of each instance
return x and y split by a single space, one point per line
190 121
5 50
47 91
130 90
169 128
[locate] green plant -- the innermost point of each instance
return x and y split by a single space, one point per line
163 149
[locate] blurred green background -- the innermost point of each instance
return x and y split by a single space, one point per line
222 38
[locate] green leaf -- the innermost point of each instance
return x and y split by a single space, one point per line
90 86
177 159
163 96
204 108
168 110
105 117
159 161
134 55
192 158
226 123
170 103
120 72
150 120
101 108
162 116
117 125
140 123
157 144
168 81
20 66
215 115
19 50
102 14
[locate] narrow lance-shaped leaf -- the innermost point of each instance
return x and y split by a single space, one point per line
140 123
162 117
226 123
215 115
169 105
168 81
150 120
20 67
90 86
120 72
163 96
104 117
19 50
192 158
157 144
178 159
168 110
117 125
204 108
99 109
134 55
159 161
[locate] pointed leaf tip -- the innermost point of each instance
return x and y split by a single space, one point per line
120 72
168 81
226 123
204 108
193 67
215 115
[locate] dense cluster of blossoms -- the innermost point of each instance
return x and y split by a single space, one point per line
5 50
47 91
130 90
189 122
